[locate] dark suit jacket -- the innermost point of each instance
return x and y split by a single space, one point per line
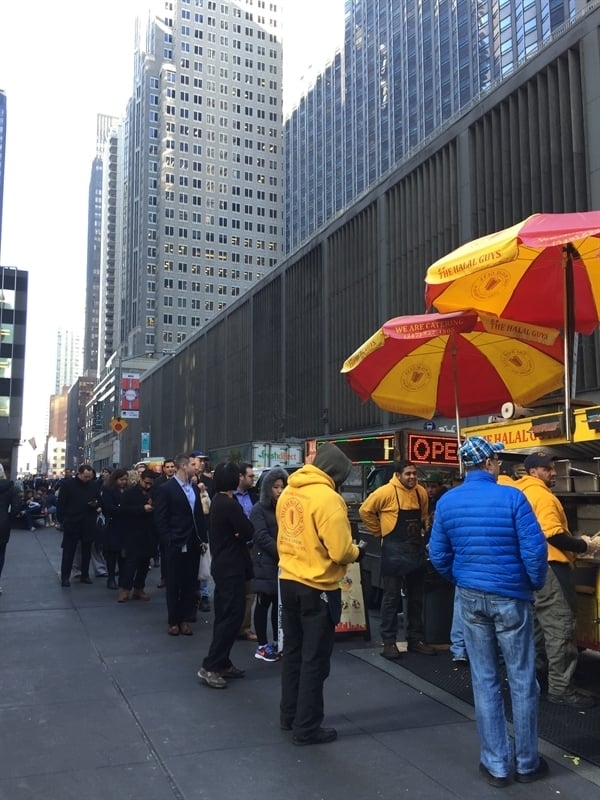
173 515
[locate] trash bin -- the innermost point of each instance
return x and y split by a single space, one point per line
438 606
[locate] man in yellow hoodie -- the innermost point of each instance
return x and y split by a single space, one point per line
555 603
314 542
398 512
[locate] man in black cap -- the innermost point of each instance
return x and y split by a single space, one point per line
556 601
314 542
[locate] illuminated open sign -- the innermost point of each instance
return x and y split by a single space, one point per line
429 448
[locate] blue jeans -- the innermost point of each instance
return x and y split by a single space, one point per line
491 621
457 634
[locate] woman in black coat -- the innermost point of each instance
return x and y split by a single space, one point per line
230 535
114 529
265 561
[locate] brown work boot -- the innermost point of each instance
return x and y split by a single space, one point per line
390 651
123 596
140 594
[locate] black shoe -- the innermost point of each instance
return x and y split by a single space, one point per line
493 780
529 777
285 724
111 584
320 736
204 604
232 672
573 700
87 579
421 647
65 583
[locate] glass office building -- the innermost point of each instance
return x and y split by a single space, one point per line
405 70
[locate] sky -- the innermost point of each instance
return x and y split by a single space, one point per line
61 64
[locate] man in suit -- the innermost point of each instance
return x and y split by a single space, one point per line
181 529
76 511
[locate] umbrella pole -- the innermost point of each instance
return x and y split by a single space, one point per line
568 334
456 409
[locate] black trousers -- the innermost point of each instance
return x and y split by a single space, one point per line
4 537
181 574
264 602
69 546
391 604
308 636
229 605
133 571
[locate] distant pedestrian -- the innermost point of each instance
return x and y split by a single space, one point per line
486 539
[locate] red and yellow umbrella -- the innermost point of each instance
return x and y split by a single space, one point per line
458 364
544 270
532 272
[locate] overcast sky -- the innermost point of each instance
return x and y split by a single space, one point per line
61 64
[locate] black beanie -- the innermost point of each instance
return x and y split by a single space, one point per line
333 462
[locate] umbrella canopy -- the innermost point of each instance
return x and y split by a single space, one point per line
531 272
455 364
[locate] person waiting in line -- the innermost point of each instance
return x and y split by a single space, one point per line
138 511
231 567
245 494
116 524
265 562
314 542
76 511
181 529
487 541
206 488
398 513
556 601
167 471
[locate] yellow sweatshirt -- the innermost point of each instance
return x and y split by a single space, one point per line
314 538
379 512
549 512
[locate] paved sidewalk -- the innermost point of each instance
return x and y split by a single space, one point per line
98 702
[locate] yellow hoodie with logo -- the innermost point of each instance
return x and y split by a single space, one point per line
314 538
549 512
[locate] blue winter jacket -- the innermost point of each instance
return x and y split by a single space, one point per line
484 537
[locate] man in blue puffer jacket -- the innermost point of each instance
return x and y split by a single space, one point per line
487 541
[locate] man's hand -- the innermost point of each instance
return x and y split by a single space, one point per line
593 544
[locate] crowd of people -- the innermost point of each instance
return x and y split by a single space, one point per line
504 543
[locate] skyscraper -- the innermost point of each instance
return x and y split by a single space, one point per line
104 124
2 155
406 69
203 173
68 359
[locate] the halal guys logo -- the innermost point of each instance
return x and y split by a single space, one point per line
415 377
518 360
490 283
291 515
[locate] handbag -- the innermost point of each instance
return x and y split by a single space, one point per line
205 561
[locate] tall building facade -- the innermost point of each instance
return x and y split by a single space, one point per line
68 360
13 325
406 69
203 173
2 155
104 124
111 245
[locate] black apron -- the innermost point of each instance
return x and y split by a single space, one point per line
403 549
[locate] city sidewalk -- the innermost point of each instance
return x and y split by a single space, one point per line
97 701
